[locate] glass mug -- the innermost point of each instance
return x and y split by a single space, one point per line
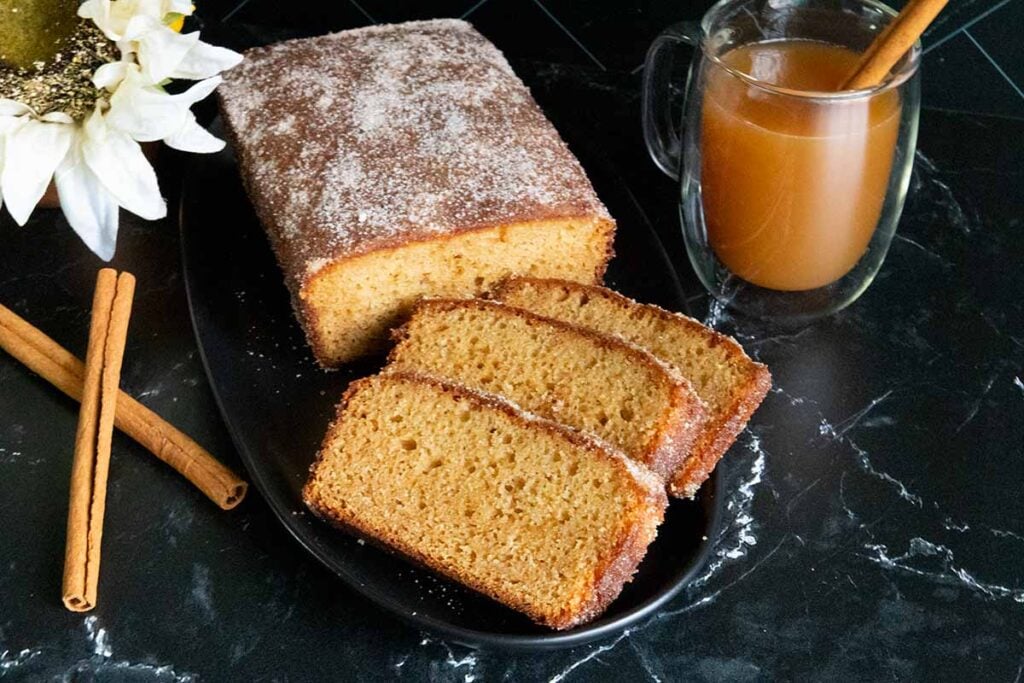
789 196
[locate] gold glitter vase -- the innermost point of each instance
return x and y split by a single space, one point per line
33 31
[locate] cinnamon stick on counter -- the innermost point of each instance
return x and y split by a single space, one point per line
52 362
111 309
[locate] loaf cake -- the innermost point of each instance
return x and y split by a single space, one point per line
588 381
543 519
730 383
387 163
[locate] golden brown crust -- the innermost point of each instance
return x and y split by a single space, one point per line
609 253
304 313
680 428
721 433
676 429
615 569
720 429
622 562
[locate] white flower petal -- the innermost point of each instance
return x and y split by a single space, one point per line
199 91
57 117
151 8
123 11
179 7
123 169
13 108
148 113
31 155
205 60
128 49
162 49
192 137
100 11
90 9
90 209
144 112
139 25
9 123
111 74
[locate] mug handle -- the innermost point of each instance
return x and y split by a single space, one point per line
663 138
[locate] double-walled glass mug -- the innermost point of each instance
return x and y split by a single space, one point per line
790 188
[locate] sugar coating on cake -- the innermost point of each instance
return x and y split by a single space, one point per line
395 162
385 135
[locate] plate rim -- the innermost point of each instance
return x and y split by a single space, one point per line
473 638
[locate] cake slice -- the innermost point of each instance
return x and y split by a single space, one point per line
565 373
731 384
543 519
388 163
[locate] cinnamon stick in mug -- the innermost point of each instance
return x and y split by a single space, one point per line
108 331
894 41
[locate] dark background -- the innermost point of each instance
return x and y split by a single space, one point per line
974 56
872 513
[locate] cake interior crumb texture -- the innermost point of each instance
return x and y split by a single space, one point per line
354 303
730 383
391 162
585 380
547 521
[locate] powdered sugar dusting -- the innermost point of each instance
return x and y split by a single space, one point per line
388 134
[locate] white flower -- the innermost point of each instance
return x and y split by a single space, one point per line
113 17
147 113
97 164
139 28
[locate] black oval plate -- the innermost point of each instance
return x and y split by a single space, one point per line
277 404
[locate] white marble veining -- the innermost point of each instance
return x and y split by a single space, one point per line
915 561
97 663
13 662
97 636
840 433
594 654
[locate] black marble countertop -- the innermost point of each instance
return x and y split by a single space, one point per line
873 517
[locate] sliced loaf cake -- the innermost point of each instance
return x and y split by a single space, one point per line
588 381
541 518
730 383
